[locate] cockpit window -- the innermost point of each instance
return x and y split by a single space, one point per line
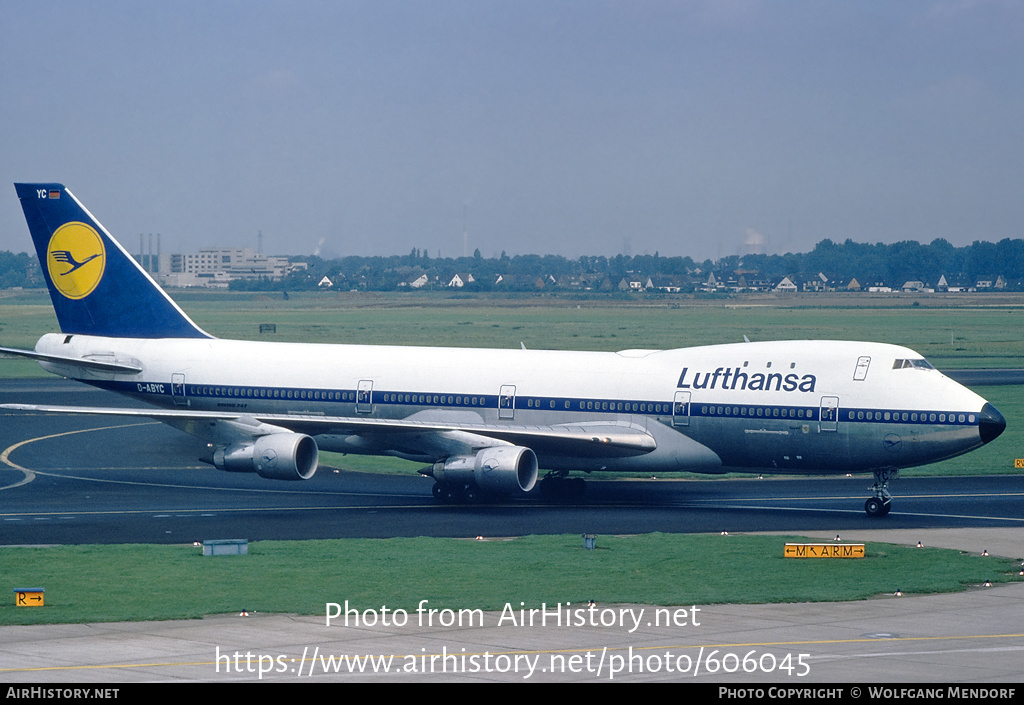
920 364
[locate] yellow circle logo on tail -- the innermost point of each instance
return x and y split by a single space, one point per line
75 259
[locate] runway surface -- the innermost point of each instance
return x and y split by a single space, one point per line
68 479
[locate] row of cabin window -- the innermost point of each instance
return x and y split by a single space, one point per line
773 412
641 407
317 395
390 398
929 417
393 398
924 417
248 393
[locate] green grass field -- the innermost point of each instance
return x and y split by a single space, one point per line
102 583
144 582
960 333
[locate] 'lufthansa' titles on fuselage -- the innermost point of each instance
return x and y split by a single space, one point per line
736 378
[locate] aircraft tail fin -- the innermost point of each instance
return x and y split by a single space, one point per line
96 286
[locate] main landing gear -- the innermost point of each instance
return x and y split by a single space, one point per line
881 502
557 486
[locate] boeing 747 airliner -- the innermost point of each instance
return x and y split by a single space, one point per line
486 421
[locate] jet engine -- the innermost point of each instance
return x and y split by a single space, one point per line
277 456
494 469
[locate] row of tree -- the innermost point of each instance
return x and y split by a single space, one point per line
891 264
19 270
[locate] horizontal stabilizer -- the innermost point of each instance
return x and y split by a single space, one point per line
101 365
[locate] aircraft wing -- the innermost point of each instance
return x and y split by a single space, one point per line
605 439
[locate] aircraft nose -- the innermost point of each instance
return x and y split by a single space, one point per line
990 423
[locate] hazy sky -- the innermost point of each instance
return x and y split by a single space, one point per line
550 127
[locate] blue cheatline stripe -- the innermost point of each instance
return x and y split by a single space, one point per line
756 412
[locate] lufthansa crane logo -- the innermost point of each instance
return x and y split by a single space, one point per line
75 260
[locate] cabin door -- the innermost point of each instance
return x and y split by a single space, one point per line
178 389
681 409
507 401
364 396
829 418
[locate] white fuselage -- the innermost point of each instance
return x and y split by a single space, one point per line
792 406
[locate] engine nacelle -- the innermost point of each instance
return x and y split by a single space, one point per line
278 456
496 469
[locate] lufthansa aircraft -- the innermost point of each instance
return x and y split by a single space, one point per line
487 420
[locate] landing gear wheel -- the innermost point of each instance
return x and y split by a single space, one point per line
877 507
470 494
881 502
578 488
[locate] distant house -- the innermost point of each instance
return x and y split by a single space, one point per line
954 284
753 282
519 282
990 281
710 284
460 280
786 286
670 285
325 283
569 281
419 282
820 282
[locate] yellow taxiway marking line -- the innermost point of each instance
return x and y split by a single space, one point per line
30 475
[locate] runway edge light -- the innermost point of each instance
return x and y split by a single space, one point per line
29 597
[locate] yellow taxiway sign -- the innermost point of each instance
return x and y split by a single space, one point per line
824 550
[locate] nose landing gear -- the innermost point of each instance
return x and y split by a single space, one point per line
879 504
